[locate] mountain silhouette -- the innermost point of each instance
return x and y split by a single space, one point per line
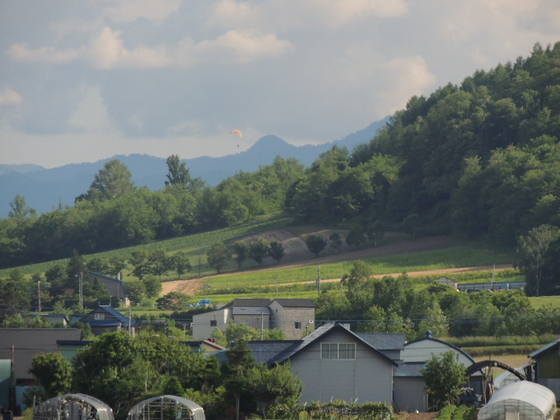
48 189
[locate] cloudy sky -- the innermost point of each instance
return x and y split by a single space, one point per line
86 80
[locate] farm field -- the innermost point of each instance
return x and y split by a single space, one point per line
424 259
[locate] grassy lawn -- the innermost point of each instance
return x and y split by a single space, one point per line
541 301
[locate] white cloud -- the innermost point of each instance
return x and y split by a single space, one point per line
21 52
284 14
242 47
10 97
342 12
91 112
403 77
131 10
107 51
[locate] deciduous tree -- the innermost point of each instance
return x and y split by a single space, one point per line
444 378
218 256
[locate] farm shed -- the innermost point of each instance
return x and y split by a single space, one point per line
521 400
166 407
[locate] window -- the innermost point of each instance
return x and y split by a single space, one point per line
347 351
99 316
338 351
213 323
297 325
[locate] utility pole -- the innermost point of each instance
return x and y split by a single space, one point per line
39 296
262 326
318 280
129 321
81 290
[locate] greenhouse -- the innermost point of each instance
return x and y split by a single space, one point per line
73 407
521 400
166 407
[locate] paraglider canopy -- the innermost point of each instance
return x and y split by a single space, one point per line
238 132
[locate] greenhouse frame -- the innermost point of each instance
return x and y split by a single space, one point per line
73 407
523 400
166 407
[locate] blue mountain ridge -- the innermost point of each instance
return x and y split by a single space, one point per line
48 189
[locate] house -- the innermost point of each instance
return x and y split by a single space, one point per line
547 366
334 364
105 318
18 346
295 317
115 287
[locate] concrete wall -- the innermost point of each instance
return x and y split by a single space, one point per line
288 319
202 323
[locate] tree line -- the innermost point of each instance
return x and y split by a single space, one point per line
115 213
394 305
479 159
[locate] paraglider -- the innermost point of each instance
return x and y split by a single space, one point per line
238 132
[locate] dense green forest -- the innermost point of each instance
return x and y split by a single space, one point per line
480 159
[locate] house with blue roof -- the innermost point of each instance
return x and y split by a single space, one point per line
105 318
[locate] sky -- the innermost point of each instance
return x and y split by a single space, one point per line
86 80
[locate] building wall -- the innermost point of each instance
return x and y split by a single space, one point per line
255 321
548 365
202 327
28 342
295 322
367 378
113 286
410 394
421 351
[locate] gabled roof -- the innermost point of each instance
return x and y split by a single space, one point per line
263 351
113 312
384 341
93 273
317 334
295 303
543 349
238 303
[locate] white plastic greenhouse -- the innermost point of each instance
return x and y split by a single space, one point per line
523 400
166 407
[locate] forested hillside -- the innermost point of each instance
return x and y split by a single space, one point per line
478 159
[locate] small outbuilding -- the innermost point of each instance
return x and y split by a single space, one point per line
166 407
523 400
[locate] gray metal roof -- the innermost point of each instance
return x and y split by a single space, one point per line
236 303
323 330
468 356
538 352
409 369
252 310
263 351
295 303
384 341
